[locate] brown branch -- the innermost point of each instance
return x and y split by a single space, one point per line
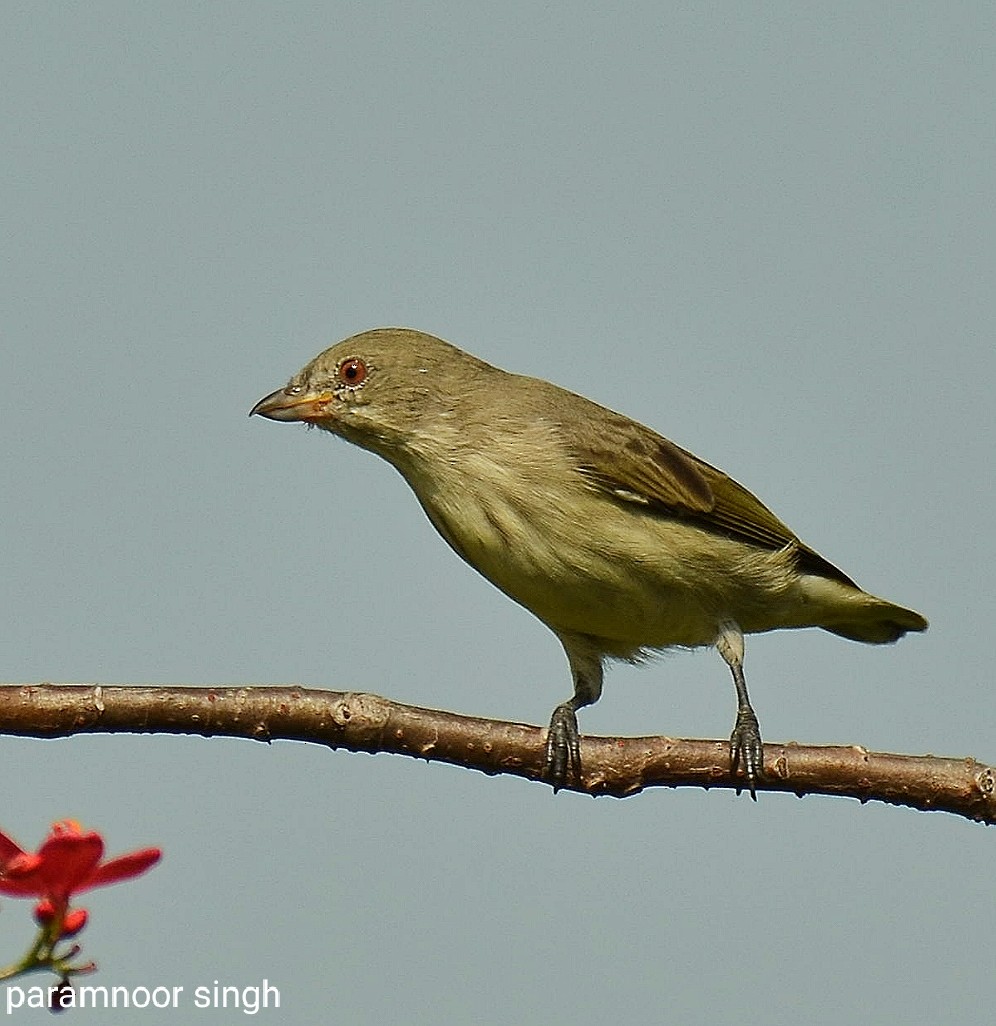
368 723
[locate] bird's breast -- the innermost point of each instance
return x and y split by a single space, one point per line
580 561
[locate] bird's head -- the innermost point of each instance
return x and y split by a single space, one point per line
376 389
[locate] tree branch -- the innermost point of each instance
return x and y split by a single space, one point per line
611 766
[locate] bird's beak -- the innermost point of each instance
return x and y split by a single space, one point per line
306 406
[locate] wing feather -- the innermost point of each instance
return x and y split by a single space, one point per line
646 469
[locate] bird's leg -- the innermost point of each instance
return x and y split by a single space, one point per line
746 748
563 739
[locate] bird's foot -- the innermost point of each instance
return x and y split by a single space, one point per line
747 749
563 746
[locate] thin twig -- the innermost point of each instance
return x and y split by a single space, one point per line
611 766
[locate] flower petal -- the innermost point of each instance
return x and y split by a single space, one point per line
8 849
68 861
23 876
123 867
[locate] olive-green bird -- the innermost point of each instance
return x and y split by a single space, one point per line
620 541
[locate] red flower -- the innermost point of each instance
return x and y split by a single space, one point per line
67 862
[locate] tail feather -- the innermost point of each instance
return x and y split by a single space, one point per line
853 613
880 625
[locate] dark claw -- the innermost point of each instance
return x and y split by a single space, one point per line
746 749
563 746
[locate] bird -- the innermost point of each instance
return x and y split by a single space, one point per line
623 543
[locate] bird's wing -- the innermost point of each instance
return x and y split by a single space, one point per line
644 468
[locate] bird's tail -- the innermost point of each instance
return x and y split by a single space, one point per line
853 613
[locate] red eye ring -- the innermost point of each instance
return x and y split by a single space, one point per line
351 372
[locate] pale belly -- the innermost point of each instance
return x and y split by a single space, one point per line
630 579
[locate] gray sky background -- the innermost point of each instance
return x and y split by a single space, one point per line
766 230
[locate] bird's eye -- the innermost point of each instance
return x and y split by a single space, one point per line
352 372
